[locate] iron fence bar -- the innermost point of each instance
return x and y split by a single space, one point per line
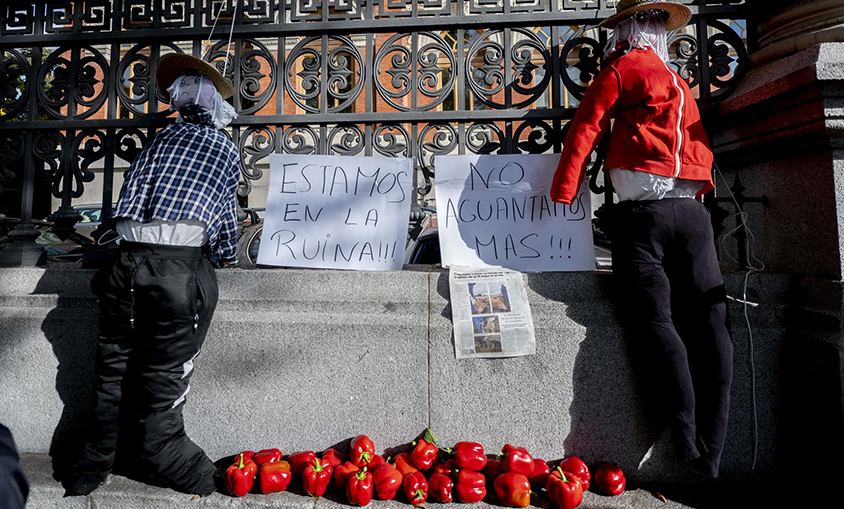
369 86
310 118
703 60
419 23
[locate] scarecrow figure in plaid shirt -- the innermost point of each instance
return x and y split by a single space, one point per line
157 294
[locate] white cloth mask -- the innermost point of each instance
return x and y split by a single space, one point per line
200 90
643 30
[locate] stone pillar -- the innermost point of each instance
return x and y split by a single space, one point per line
782 132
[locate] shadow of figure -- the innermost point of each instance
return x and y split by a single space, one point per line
609 419
71 329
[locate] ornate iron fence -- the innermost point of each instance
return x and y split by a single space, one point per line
409 78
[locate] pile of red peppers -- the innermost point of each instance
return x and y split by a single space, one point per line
463 473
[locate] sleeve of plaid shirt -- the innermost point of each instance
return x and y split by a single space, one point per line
227 245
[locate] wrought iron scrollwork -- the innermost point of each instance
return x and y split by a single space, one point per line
81 77
686 52
534 137
128 143
434 140
255 144
88 148
14 83
586 65
725 71
391 140
134 90
431 80
524 69
346 140
48 149
487 80
12 149
300 140
256 62
345 68
486 138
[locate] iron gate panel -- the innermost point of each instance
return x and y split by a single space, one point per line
393 78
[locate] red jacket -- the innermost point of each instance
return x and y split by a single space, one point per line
657 125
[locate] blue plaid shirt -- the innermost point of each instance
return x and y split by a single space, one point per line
188 171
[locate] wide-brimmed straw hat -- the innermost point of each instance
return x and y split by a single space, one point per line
678 14
172 65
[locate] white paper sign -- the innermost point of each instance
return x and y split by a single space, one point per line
337 212
495 211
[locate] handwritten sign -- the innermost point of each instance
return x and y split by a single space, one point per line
337 212
495 211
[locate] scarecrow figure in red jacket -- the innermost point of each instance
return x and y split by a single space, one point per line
663 253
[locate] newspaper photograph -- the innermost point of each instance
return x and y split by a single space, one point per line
490 313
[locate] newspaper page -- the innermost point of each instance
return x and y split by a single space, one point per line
490 313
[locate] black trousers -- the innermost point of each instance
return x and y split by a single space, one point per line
674 304
156 303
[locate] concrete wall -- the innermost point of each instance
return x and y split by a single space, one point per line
304 359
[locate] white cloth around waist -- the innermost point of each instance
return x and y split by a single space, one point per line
186 232
640 185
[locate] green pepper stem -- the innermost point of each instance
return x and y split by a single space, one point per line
241 465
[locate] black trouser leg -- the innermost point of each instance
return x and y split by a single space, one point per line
700 305
638 249
156 303
111 364
175 334
113 353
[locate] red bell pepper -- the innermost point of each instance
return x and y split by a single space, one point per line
247 455
492 470
513 490
405 464
608 479
274 477
447 468
440 486
415 487
362 451
425 453
471 486
267 456
469 455
539 477
240 477
333 457
316 477
577 467
299 460
564 489
387 480
517 460
376 461
360 487
343 473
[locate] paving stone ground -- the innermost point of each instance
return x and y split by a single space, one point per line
122 493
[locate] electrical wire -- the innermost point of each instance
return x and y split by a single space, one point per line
752 267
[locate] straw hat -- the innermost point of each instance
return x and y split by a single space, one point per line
171 66
678 14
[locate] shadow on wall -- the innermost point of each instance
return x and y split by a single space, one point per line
609 421
71 329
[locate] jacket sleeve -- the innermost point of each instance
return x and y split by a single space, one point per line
227 247
590 121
